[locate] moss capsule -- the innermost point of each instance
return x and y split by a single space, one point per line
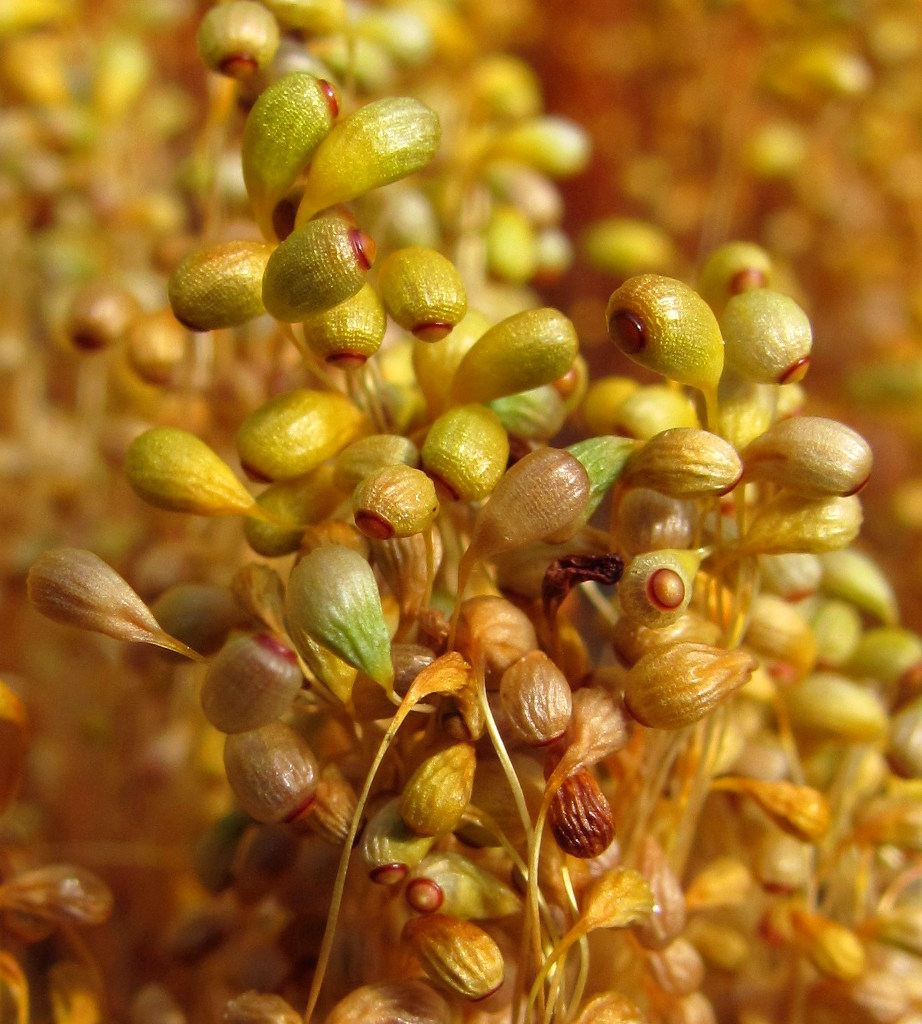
422 291
348 333
657 586
394 501
99 315
238 38
219 285
732 269
465 453
768 337
437 793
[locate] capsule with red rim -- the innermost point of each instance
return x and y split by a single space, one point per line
422 291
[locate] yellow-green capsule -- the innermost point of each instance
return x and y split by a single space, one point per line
512 245
837 627
624 247
377 144
422 291
348 333
314 17
238 38
293 505
394 501
554 145
664 325
173 469
435 363
333 599
453 884
390 847
365 62
853 576
287 123
885 654
319 265
371 453
465 453
651 409
657 586
832 705
789 522
534 415
294 433
523 351
732 269
503 87
403 33
604 396
768 337
219 285
437 794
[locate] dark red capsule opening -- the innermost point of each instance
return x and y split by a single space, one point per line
365 248
329 94
627 331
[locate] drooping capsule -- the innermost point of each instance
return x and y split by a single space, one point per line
349 333
390 847
580 816
293 434
238 38
465 453
380 142
684 463
789 522
768 337
293 505
453 884
199 614
411 1000
435 363
536 700
457 955
438 792
732 269
422 291
394 501
320 264
219 285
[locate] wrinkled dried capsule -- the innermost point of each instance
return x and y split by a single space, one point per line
410 1001
536 700
394 501
438 792
580 817
456 955
219 285
58 892
495 630
272 771
768 337
350 332
465 453
238 38
252 681
260 1008
422 291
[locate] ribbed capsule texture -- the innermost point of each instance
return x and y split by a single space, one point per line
172 469
349 333
536 700
523 351
422 291
272 771
465 453
219 285
580 816
320 264
791 523
294 433
438 792
678 685
333 599
394 501
251 682
664 325
684 463
390 847
238 38
810 455
768 337
409 1001
380 142
287 123
456 955
801 811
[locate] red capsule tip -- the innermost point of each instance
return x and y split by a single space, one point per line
434 330
373 525
329 94
795 372
347 360
746 280
627 331
424 895
365 248
388 874
87 341
239 66
275 646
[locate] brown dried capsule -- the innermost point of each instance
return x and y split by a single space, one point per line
410 1001
272 771
99 315
58 892
580 817
252 681
457 955
333 806
647 520
536 700
438 792
684 463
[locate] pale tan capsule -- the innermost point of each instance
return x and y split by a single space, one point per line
810 455
535 697
731 269
156 345
801 811
657 586
58 892
409 1001
792 576
438 792
219 285
260 1008
457 955
720 944
833 949
422 291
746 409
632 640
610 1008
789 522
497 630
684 463
272 771
580 817
394 501
666 921
853 576
347 334
831 704
390 847
724 882
782 863
672 687
895 820
779 632
677 968
407 565
647 520
453 884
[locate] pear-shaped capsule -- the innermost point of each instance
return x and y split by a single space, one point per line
252 681
333 599
789 522
320 264
422 291
348 333
732 269
465 453
523 351
238 38
657 586
394 501
313 17
294 433
684 463
200 614
390 847
438 792
377 144
272 771
554 145
536 700
173 469
663 324
768 337
287 123
219 285
293 505
456 955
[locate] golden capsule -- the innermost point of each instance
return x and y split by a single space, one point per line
854 577
501 86
465 453
259 1008
251 681
293 505
732 269
59 893
610 1008
534 415
394 501
435 363
320 264
789 522
293 434
646 520
455 954
662 324
272 771
371 453
833 949
313 17
523 351
238 38
348 333
437 794
422 291
768 337
219 285
778 631
624 247
99 315
377 144
801 811
603 398
657 586
685 463
651 409
156 345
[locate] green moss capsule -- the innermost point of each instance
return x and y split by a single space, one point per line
238 38
292 434
379 143
554 145
319 265
662 324
369 454
533 415
314 17
604 459
348 333
623 247
732 269
512 245
219 285
465 453
422 291
768 337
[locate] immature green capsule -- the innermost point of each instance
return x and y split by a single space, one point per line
553 145
511 245
855 577
394 501
377 144
465 453
219 285
348 333
534 415
651 409
319 265
523 351
238 38
422 291
294 433
732 269
333 599
287 123
453 884
684 463
369 454
662 324
833 705
313 17
173 469
657 586
768 337
624 247
299 503
435 363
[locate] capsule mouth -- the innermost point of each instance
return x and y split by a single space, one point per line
859 487
424 895
432 330
239 66
627 331
87 341
388 874
254 474
364 246
795 372
747 280
329 94
275 646
373 525
347 360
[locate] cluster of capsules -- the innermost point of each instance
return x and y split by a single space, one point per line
614 728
